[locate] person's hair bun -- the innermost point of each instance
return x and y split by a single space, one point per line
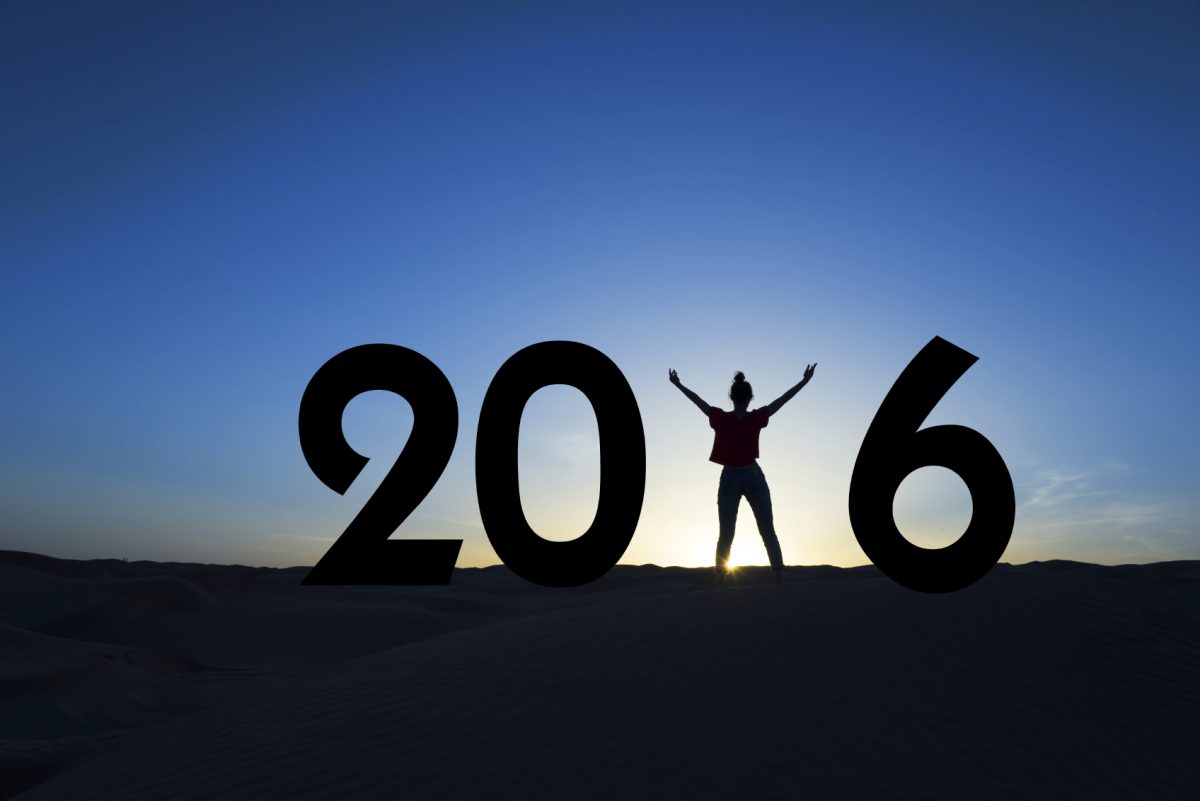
740 392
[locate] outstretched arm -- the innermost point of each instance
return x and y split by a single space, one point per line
692 396
777 404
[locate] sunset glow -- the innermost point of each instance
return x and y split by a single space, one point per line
706 190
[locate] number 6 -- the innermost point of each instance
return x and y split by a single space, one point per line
893 448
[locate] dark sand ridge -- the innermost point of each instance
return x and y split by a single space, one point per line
1048 680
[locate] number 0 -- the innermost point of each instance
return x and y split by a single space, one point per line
622 464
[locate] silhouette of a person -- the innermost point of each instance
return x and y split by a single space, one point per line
735 447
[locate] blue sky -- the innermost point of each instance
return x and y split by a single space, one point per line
200 203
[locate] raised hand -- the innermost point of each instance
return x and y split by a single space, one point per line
808 371
673 376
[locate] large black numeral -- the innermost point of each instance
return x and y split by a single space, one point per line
622 464
893 448
364 554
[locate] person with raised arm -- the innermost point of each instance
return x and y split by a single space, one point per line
735 448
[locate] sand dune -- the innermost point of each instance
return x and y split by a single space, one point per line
149 681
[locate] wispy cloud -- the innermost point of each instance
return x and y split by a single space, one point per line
1088 511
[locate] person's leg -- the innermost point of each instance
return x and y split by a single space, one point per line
759 496
728 497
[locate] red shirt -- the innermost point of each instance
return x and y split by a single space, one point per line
735 443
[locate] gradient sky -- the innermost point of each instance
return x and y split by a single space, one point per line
202 202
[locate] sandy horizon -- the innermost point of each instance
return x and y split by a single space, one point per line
1050 679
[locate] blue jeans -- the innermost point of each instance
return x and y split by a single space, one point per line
749 482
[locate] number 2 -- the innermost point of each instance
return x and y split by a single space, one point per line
363 554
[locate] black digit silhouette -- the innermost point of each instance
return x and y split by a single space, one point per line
622 464
363 554
893 448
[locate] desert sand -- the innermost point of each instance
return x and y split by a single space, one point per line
143 680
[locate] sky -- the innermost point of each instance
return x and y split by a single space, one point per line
202 202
